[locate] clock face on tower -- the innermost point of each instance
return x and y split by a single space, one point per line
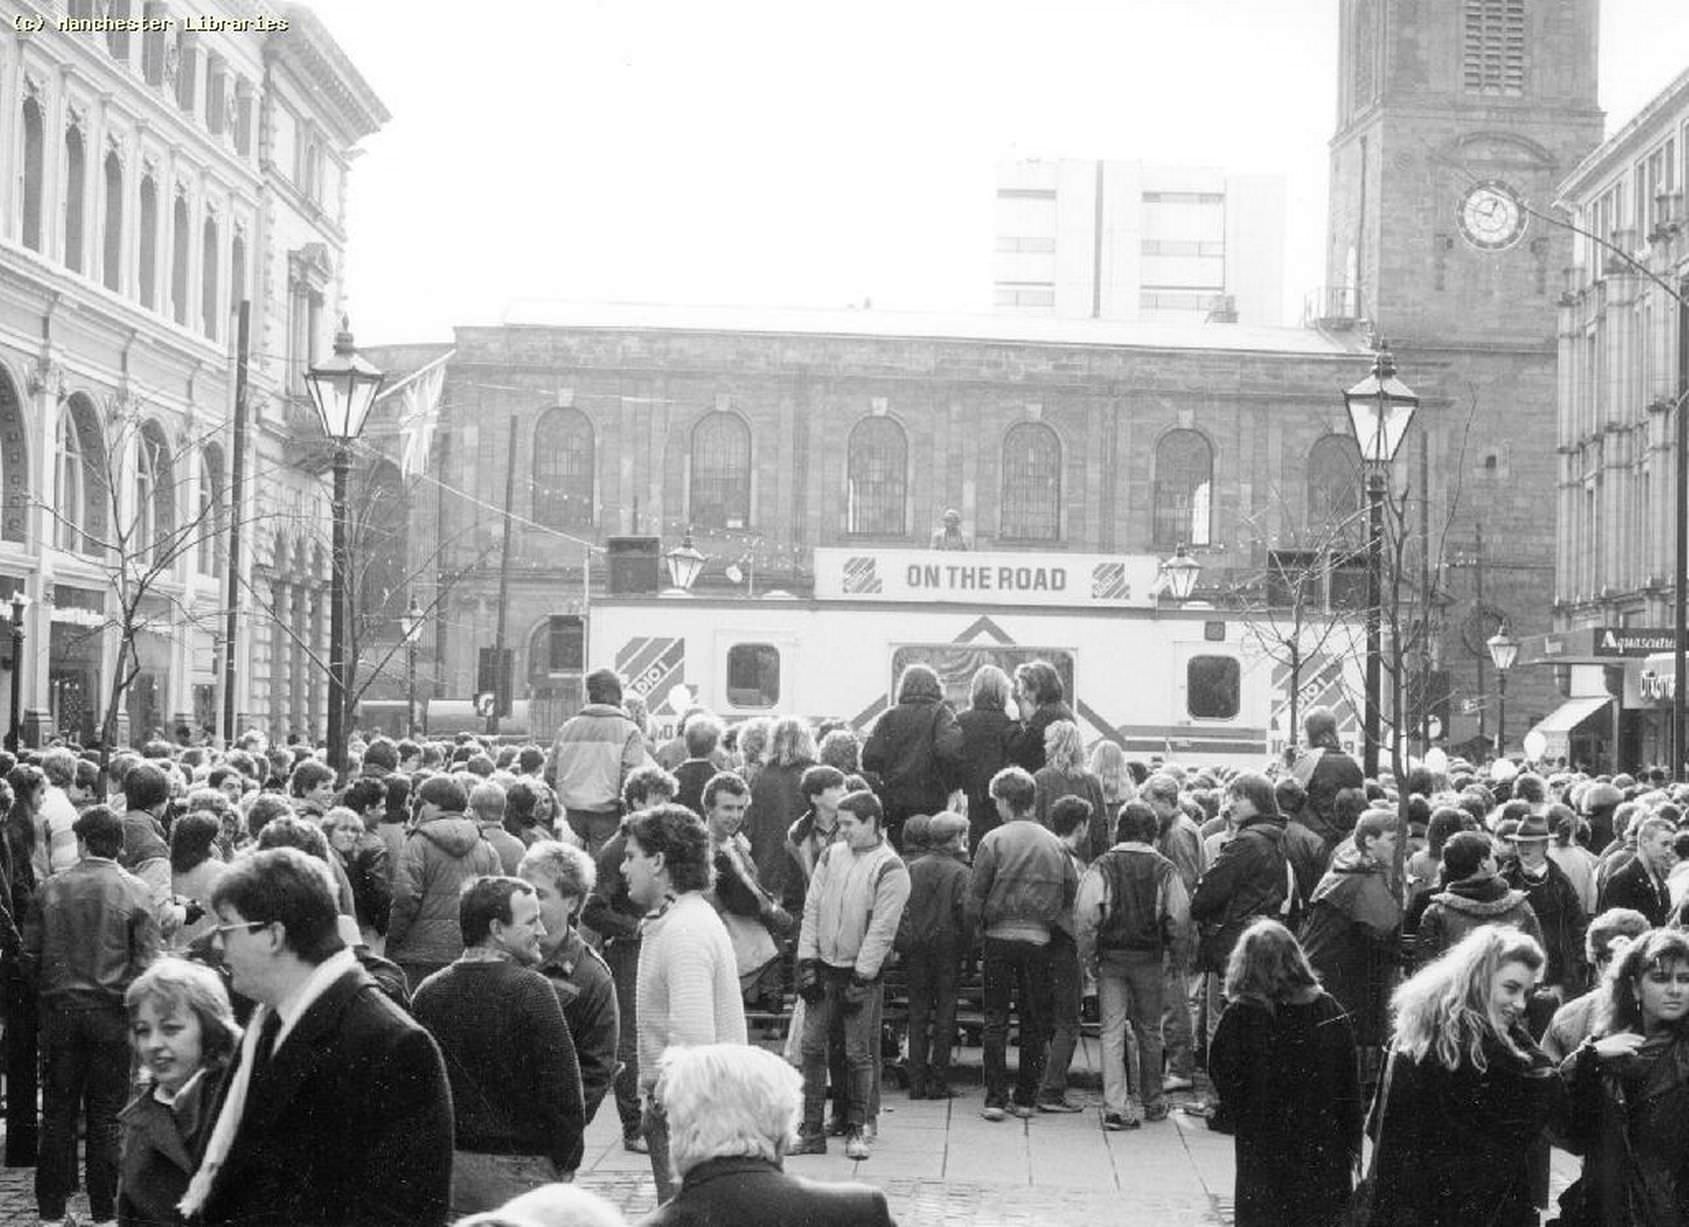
1492 216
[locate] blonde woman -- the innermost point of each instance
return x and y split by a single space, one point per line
1064 774
776 799
1108 764
1466 1092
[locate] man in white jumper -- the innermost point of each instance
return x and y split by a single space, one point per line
688 984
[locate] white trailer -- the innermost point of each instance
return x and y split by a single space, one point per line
1187 684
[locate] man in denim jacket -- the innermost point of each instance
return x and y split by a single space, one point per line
1023 885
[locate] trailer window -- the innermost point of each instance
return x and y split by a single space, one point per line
1213 687
753 675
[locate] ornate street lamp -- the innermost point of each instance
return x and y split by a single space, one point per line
685 563
1178 574
343 390
20 602
1504 649
410 625
1380 410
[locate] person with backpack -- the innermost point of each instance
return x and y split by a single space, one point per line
1251 878
1325 770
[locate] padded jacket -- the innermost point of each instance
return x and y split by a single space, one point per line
1024 883
438 858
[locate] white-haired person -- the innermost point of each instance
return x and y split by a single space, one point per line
550 1205
732 1112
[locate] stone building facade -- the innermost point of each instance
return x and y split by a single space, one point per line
1620 321
1456 121
155 180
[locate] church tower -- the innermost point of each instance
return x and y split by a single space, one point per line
1456 121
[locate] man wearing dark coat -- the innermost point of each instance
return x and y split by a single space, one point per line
1641 885
1325 770
1560 913
336 1111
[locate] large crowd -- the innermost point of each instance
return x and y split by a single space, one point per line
245 989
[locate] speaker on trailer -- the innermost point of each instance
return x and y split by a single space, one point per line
636 565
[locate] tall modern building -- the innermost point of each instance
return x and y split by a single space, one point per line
1124 241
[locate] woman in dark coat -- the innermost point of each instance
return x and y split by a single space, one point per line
1628 1093
777 801
915 749
1043 700
1466 1092
985 726
184 1034
1283 1061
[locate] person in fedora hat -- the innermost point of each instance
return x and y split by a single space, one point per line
1559 911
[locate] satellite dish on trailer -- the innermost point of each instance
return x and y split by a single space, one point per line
734 574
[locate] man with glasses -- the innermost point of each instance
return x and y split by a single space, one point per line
337 1109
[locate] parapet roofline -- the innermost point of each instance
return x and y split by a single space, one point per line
542 313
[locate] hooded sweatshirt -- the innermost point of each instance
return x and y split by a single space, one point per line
438 857
1482 899
1353 916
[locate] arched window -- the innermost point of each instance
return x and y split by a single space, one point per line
179 247
111 260
148 280
1334 487
76 179
70 494
877 478
33 168
155 507
1184 483
209 252
210 523
237 272
721 472
563 469
1031 483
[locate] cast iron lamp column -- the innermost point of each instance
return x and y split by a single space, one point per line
1380 409
343 390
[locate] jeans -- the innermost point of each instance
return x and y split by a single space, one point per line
1018 970
1176 1024
87 1072
1063 958
933 973
482 1182
622 954
861 1045
20 1011
1129 991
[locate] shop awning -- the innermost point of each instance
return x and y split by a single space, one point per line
1573 712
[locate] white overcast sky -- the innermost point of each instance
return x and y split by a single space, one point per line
814 154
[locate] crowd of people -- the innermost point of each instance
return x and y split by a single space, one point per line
256 991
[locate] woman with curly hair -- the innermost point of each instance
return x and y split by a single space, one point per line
1466 1092
1064 774
1628 1091
777 801
1283 1061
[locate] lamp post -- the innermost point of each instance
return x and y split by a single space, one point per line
1503 650
1380 409
685 563
410 624
19 603
1178 574
342 390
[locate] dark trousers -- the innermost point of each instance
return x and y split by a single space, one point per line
87 1073
1019 971
622 953
595 827
1063 958
23 1069
933 972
